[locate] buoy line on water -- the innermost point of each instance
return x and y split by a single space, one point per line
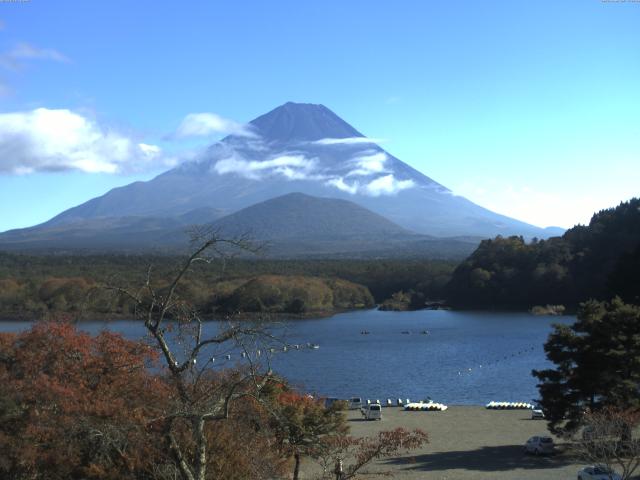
509 406
231 356
503 359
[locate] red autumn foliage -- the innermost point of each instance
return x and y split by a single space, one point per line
76 406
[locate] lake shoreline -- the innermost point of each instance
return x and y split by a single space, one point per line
255 316
242 316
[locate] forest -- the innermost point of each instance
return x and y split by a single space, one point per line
596 261
38 286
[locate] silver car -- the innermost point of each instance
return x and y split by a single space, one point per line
539 445
537 414
598 472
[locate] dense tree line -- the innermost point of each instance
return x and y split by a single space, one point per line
597 261
36 286
291 294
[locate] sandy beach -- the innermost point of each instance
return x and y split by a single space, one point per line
467 443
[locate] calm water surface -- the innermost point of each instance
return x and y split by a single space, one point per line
466 357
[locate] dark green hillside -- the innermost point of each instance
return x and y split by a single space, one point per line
297 215
598 261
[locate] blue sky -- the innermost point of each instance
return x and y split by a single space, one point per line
531 109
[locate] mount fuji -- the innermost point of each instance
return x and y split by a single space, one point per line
294 148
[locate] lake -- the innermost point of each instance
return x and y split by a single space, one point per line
465 358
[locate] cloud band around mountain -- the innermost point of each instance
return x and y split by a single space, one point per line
298 167
207 124
383 185
368 163
347 141
291 166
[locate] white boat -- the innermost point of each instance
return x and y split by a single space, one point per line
426 407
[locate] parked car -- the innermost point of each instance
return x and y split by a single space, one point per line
598 472
537 414
539 445
372 412
355 403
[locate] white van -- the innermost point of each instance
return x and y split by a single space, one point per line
355 403
372 412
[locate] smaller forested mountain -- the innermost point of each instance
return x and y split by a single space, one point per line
299 216
597 261
293 225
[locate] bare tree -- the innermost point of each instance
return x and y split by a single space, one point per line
176 328
610 438
344 457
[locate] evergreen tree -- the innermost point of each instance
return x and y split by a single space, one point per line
597 364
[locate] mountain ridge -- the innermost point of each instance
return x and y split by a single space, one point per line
297 215
294 225
299 148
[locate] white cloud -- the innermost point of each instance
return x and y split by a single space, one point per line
369 164
293 167
207 124
340 184
53 140
346 141
27 51
387 185
14 59
150 150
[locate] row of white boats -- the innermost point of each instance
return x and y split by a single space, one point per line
426 407
431 406
423 405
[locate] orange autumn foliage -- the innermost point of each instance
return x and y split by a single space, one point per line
76 406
